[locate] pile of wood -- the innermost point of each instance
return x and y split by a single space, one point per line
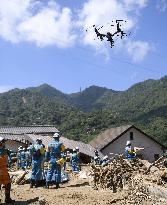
120 172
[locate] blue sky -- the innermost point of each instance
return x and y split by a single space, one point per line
46 42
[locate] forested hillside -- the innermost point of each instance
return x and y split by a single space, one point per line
83 115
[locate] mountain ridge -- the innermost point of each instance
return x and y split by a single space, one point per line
83 115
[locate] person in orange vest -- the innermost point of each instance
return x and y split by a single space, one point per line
4 175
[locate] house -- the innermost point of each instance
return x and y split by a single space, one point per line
26 135
113 141
18 136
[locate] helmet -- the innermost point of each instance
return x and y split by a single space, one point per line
20 148
39 139
106 157
77 148
128 143
56 135
2 139
96 151
74 150
95 157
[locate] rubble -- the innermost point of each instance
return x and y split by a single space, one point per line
122 181
143 182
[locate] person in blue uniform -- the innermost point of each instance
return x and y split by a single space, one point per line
27 158
130 153
37 152
23 159
19 157
96 159
53 156
4 175
75 161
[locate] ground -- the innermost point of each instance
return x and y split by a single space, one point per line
75 192
79 191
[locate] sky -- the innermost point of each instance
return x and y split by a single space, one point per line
45 41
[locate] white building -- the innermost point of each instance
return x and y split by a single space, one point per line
114 141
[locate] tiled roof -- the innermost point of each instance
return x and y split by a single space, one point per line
45 139
86 149
24 134
28 129
16 137
108 136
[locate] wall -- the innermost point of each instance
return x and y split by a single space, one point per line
13 145
139 140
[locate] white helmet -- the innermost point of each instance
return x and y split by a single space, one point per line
77 148
128 143
74 150
39 139
106 157
56 135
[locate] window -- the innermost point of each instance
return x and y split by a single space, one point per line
131 135
156 156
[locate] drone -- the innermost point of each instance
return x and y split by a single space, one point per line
110 36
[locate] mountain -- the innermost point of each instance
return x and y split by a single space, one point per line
82 115
87 100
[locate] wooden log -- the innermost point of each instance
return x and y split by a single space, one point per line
21 177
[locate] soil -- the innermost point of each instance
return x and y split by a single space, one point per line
80 192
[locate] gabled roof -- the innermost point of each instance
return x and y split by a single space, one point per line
110 135
28 129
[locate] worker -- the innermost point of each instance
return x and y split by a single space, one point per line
75 161
65 160
23 158
19 157
37 152
10 156
4 175
27 158
105 161
96 159
78 154
130 153
53 156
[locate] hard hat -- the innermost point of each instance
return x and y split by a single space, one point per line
128 143
74 150
96 151
77 148
2 139
106 157
56 135
39 139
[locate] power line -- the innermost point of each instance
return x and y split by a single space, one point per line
114 58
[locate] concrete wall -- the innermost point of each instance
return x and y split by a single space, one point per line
13 145
139 140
